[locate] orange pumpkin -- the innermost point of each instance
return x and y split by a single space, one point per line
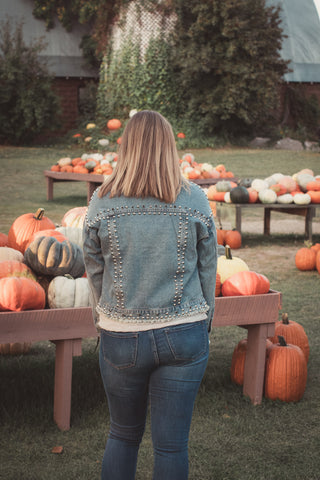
221 235
14 268
318 262
3 240
239 357
253 195
314 186
305 259
114 124
80 169
25 226
286 372
67 168
314 195
55 168
293 333
233 239
21 293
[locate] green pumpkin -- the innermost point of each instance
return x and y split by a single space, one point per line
223 186
48 256
239 195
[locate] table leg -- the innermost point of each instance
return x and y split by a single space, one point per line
266 222
254 367
308 225
49 188
238 218
65 350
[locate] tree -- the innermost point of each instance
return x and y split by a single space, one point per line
228 57
28 105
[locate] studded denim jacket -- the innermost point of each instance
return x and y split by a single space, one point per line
150 261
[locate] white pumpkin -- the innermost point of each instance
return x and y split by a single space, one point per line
267 196
288 182
68 292
227 198
301 199
258 184
285 198
73 234
8 253
303 179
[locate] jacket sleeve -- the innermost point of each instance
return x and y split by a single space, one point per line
207 266
94 264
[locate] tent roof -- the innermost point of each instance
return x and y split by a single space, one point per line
301 25
62 51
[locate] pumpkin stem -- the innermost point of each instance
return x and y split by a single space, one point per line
39 214
307 243
282 341
228 252
285 319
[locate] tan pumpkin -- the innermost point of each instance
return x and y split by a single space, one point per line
67 292
228 265
48 256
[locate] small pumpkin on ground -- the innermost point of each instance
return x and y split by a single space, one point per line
238 360
293 333
286 372
114 124
25 226
233 239
305 258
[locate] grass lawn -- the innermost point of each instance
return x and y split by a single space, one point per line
230 438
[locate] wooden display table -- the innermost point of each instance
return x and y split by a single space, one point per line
306 211
93 181
67 327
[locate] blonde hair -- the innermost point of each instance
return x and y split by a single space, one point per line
148 161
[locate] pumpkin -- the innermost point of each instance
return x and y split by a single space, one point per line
67 292
305 258
25 226
288 182
239 358
21 293
245 283
227 198
253 195
286 198
62 162
4 239
14 268
73 234
239 195
267 196
301 198
313 185
279 189
221 235
233 239
48 256
293 333
245 182
74 217
14 348
90 165
318 262
314 196
7 253
48 233
286 372
223 186
228 265
218 286
114 124
303 179
258 184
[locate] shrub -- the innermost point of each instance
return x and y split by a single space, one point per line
28 105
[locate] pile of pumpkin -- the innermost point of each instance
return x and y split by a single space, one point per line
193 170
41 264
234 278
301 188
287 355
308 257
95 163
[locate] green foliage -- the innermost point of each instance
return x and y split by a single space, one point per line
28 105
130 80
228 69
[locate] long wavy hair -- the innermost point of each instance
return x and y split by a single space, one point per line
148 161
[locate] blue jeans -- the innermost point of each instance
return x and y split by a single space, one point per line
164 367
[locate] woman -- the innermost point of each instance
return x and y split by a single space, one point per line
151 254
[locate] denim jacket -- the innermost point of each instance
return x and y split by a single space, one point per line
150 261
